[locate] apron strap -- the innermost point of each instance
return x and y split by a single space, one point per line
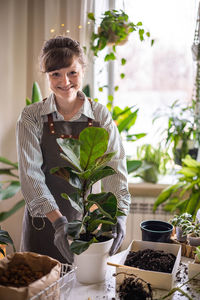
52 128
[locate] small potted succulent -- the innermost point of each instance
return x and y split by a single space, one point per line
193 233
179 222
92 232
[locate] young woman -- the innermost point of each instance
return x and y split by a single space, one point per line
65 113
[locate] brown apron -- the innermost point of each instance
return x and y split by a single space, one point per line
38 233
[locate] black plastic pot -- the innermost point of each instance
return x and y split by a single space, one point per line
156 231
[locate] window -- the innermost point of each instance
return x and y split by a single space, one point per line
156 76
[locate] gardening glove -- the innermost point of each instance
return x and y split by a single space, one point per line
60 238
119 232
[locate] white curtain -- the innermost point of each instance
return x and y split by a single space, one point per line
24 26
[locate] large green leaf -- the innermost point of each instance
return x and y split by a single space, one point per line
133 165
67 174
36 93
93 224
8 171
78 246
74 229
192 203
75 200
99 174
128 122
5 238
102 160
8 162
6 214
94 143
12 189
166 193
70 148
106 202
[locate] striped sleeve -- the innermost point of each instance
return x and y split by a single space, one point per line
117 184
37 196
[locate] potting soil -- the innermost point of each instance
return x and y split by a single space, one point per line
152 260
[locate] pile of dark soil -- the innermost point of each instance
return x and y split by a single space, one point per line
88 236
134 288
19 276
152 260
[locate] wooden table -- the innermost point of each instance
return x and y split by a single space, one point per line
106 290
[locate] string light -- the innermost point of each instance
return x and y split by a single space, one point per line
79 27
88 22
62 25
52 30
68 31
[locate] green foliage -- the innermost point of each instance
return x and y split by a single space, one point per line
197 251
154 162
114 29
181 126
5 239
183 196
11 186
179 220
88 165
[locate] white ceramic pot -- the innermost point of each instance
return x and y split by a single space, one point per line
92 263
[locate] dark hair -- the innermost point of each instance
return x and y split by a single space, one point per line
59 52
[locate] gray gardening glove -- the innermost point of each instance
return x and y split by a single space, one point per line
60 238
119 232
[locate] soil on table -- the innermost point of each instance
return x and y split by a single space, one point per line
87 237
19 275
134 288
152 260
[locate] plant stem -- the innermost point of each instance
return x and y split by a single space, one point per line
178 289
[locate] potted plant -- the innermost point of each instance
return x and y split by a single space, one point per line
183 196
179 221
113 30
5 239
193 231
154 161
181 132
10 187
99 211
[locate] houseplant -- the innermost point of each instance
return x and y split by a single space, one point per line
88 165
183 196
192 230
179 221
154 160
181 132
5 239
11 186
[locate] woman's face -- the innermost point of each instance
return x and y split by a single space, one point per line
66 82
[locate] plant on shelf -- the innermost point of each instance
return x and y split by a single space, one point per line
183 196
11 185
179 222
154 161
5 239
181 132
88 165
197 255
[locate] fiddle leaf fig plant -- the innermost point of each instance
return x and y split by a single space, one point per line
88 159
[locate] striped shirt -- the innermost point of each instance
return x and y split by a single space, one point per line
38 197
